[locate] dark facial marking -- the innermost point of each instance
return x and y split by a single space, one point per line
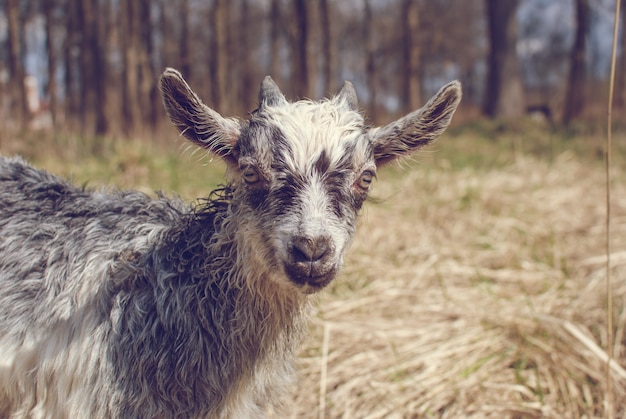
285 193
256 196
335 184
322 164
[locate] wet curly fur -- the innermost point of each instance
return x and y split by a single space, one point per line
116 304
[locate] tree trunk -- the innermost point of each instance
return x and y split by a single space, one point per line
93 68
232 71
169 51
328 53
16 66
275 24
213 56
247 93
575 89
370 65
147 77
130 76
98 34
48 7
504 94
300 66
620 75
86 57
411 80
71 74
185 40
218 60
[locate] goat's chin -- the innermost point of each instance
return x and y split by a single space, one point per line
309 289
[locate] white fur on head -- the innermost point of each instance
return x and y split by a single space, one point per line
309 156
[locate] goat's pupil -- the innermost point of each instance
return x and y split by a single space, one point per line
365 180
251 175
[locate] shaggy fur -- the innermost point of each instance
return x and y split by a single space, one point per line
114 304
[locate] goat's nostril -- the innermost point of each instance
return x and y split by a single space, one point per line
306 249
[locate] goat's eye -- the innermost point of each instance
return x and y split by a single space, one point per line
365 180
250 175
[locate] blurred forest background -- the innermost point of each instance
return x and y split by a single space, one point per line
91 66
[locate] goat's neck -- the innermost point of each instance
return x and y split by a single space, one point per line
234 288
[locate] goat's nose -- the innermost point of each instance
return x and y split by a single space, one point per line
310 249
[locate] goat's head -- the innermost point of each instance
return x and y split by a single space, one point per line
302 170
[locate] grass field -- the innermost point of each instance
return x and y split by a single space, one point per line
475 286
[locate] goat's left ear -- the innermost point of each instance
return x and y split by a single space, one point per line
415 130
196 121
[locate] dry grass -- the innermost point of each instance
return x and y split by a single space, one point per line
474 289
474 294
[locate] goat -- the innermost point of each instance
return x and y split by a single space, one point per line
116 304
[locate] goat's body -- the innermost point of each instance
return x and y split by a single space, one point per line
108 307
117 305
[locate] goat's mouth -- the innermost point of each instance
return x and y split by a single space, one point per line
311 277
311 262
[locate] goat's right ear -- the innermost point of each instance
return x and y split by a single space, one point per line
196 121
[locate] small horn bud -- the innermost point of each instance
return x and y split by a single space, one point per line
270 93
348 95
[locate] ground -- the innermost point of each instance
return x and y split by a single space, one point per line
475 287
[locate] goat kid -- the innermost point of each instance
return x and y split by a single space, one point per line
114 304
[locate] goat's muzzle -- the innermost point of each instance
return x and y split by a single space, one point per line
312 262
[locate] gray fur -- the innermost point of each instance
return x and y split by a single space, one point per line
348 94
115 304
270 94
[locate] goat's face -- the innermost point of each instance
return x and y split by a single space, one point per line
302 170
